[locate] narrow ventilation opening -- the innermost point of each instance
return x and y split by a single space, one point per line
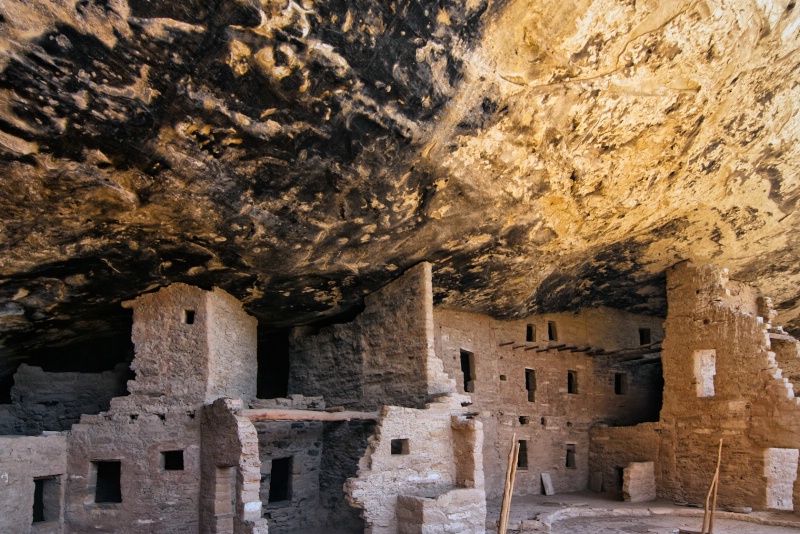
107 488
188 316
530 384
46 499
620 383
530 333
572 382
399 446
172 460
468 370
280 481
522 459
644 336
571 456
619 477
552 331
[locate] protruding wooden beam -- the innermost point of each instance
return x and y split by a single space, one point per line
504 343
565 347
533 347
278 414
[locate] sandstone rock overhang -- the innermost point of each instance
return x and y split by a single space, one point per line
543 155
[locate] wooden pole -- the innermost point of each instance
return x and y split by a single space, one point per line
277 414
511 470
712 489
716 487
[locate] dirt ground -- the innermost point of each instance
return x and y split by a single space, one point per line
660 525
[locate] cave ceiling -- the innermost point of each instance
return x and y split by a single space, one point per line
544 155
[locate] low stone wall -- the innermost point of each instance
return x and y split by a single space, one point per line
22 461
43 401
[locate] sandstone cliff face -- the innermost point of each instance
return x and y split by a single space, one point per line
543 154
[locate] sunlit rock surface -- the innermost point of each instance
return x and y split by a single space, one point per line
544 155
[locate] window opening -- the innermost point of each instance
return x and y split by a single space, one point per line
172 460
530 384
572 381
468 369
620 383
644 336
107 486
46 499
530 333
399 446
705 368
522 459
502 378
280 480
571 456
552 331
188 316
524 419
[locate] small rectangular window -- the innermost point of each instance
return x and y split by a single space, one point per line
620 383
280 480
46 499
522 459
188 316
172 460
468 370
572 381
399 446
644 336
571 456
530 384
705 369
107 485
552 331
530 333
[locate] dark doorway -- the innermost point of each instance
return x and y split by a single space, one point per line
280 480
108 488
468 369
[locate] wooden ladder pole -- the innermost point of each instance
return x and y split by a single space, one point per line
716 487
712 489
502 525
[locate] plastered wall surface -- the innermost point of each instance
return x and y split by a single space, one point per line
44 401
556 418
23 459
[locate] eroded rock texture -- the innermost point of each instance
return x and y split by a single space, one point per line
544 154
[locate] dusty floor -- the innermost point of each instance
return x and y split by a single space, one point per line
660 525
588 512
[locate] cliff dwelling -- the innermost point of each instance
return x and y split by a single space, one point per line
399 267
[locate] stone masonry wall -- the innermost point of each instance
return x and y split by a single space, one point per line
23 459
385 356
555 419
153 499
55 401
232 348
721 381
302 442
171 354
416 453
230 472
